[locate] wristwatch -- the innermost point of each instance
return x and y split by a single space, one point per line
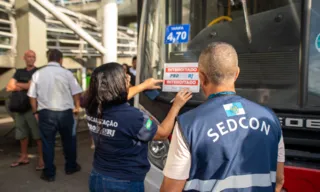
35 112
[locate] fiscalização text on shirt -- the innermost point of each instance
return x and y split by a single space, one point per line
105 131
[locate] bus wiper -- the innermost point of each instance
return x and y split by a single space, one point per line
246 19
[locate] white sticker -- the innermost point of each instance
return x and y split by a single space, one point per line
318 42
181 75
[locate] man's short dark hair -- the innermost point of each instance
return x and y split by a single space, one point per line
55 55
48 52
134 58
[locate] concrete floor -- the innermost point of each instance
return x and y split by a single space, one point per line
26 178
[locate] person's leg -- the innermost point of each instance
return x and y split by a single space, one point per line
35 133
67 131
95 182
48 129
21 134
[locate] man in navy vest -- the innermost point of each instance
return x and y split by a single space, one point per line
228 143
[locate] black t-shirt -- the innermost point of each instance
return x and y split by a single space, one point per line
23 75
133 83
133 79
122 143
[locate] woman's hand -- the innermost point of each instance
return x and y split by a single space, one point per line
148 84
182 97
151 83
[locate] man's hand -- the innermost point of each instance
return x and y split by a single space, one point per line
151 83
76 111
18 88
12 86
36 116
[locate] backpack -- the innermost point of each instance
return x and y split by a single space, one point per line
19 102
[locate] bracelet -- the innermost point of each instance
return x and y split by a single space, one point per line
35 112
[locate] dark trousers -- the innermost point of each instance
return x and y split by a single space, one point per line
49 123
99 182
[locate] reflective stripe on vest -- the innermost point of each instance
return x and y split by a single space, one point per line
232 182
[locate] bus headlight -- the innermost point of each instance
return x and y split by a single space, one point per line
157 153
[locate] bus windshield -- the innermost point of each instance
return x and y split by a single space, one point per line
265 33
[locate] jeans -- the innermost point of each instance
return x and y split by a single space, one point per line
51 122
99 183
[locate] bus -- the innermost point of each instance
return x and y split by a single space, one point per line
278 43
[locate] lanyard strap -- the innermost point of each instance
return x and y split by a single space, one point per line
221 94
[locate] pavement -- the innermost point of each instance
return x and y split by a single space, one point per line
26 178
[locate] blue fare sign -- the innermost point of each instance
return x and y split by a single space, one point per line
177 34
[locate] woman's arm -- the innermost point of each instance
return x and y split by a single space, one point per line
146 85
165 128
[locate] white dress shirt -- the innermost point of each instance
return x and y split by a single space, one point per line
54 86
178 163
133 71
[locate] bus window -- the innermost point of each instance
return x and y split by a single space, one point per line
314 57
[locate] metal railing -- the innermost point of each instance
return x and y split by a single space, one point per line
73 2
60 37
8 30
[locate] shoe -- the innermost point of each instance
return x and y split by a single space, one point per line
46 178
78 168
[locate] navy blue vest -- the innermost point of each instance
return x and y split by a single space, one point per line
233 144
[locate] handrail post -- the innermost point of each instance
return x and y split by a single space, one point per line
110 30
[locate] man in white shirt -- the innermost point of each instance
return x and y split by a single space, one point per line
54 95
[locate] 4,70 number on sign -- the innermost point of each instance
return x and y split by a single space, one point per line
177 36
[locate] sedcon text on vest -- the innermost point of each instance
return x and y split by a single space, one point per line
231 125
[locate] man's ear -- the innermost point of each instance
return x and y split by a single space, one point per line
203 78
237 74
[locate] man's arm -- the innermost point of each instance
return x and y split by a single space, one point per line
172 185
76 91
280 166
178 164
76 99
34 104
12 86
280 176
24 86
32 93
147 84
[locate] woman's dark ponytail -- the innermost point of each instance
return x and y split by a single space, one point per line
99 122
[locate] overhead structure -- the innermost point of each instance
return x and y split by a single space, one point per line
60 36
8 30
72 25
